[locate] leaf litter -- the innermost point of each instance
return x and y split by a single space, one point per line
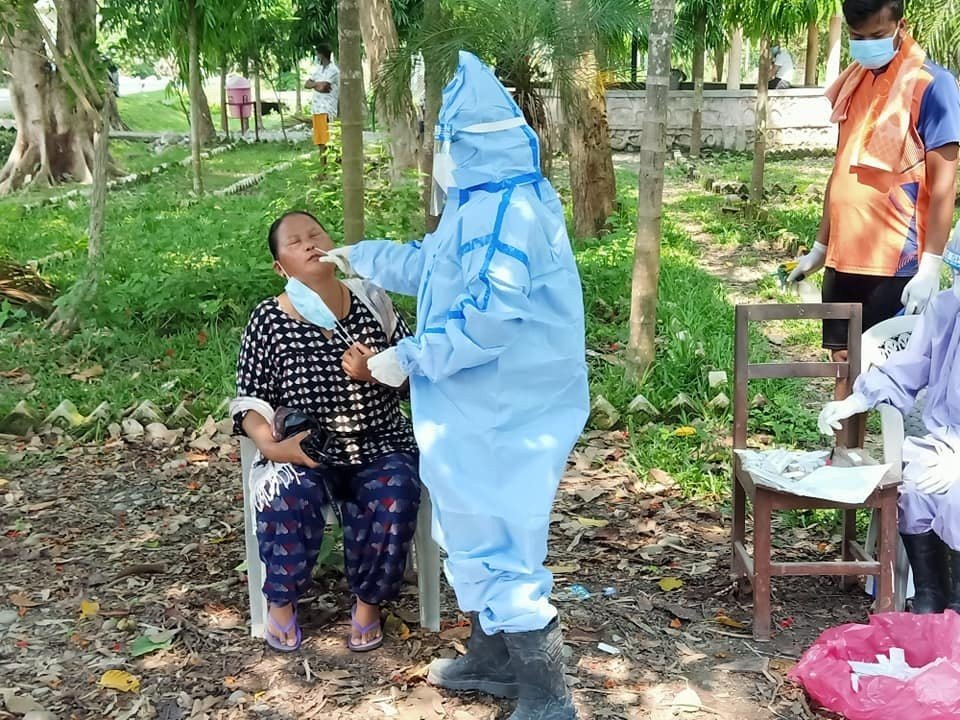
115 602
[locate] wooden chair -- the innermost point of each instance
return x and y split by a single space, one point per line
426 550
760 568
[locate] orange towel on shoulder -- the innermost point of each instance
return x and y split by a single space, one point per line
887 139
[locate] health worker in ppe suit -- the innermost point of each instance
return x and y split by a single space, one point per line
498 383
930 497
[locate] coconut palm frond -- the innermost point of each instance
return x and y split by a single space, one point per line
937 27
780 18
21 285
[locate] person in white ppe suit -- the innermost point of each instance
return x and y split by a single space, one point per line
929 502
498 383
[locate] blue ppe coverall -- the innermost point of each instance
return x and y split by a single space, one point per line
930 362
497 365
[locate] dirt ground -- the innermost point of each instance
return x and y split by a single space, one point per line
112 549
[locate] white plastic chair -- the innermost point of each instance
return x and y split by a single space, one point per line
878 344
426 550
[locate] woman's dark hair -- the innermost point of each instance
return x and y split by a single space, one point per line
857 12
324 50
275 228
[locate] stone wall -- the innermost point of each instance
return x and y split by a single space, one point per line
799 119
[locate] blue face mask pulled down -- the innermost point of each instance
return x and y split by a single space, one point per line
874 54
310 305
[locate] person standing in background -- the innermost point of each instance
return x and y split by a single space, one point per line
325 83
889 203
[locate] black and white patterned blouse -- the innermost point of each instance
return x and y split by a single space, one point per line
289 363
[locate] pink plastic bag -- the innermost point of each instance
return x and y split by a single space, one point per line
932 695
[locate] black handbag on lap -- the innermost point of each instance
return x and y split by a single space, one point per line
289 422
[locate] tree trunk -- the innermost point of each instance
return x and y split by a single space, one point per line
813 55
54 140
257 110
95 93
379 40
833 48
736 59
592 180
299 84
114 121
194 91
719 56
207 130
433 82
224 118
653 153
66 316
699 47
351 118
760 127
634 55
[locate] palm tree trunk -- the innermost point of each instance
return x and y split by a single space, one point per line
719 57
299 84
736 59
653 152
592 180
760 127
194 91
379 40
813 54
224 120
257 110
699 43
351 118
433 83
833 48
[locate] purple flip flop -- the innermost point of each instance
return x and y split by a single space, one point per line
361 630
275 641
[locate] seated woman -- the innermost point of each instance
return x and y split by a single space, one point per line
306 351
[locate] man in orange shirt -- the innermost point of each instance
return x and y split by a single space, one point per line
889 203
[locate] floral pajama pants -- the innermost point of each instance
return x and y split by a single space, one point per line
378 505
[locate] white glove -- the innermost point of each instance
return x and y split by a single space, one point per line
834 412
809 263
925 284
340 257
386 369
939 478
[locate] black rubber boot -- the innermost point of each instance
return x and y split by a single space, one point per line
927 555
954 599
538 662
486 666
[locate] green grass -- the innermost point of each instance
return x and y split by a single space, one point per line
182 274
695 335
180 278
792 220
129 156
156 111
160 111
134 156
